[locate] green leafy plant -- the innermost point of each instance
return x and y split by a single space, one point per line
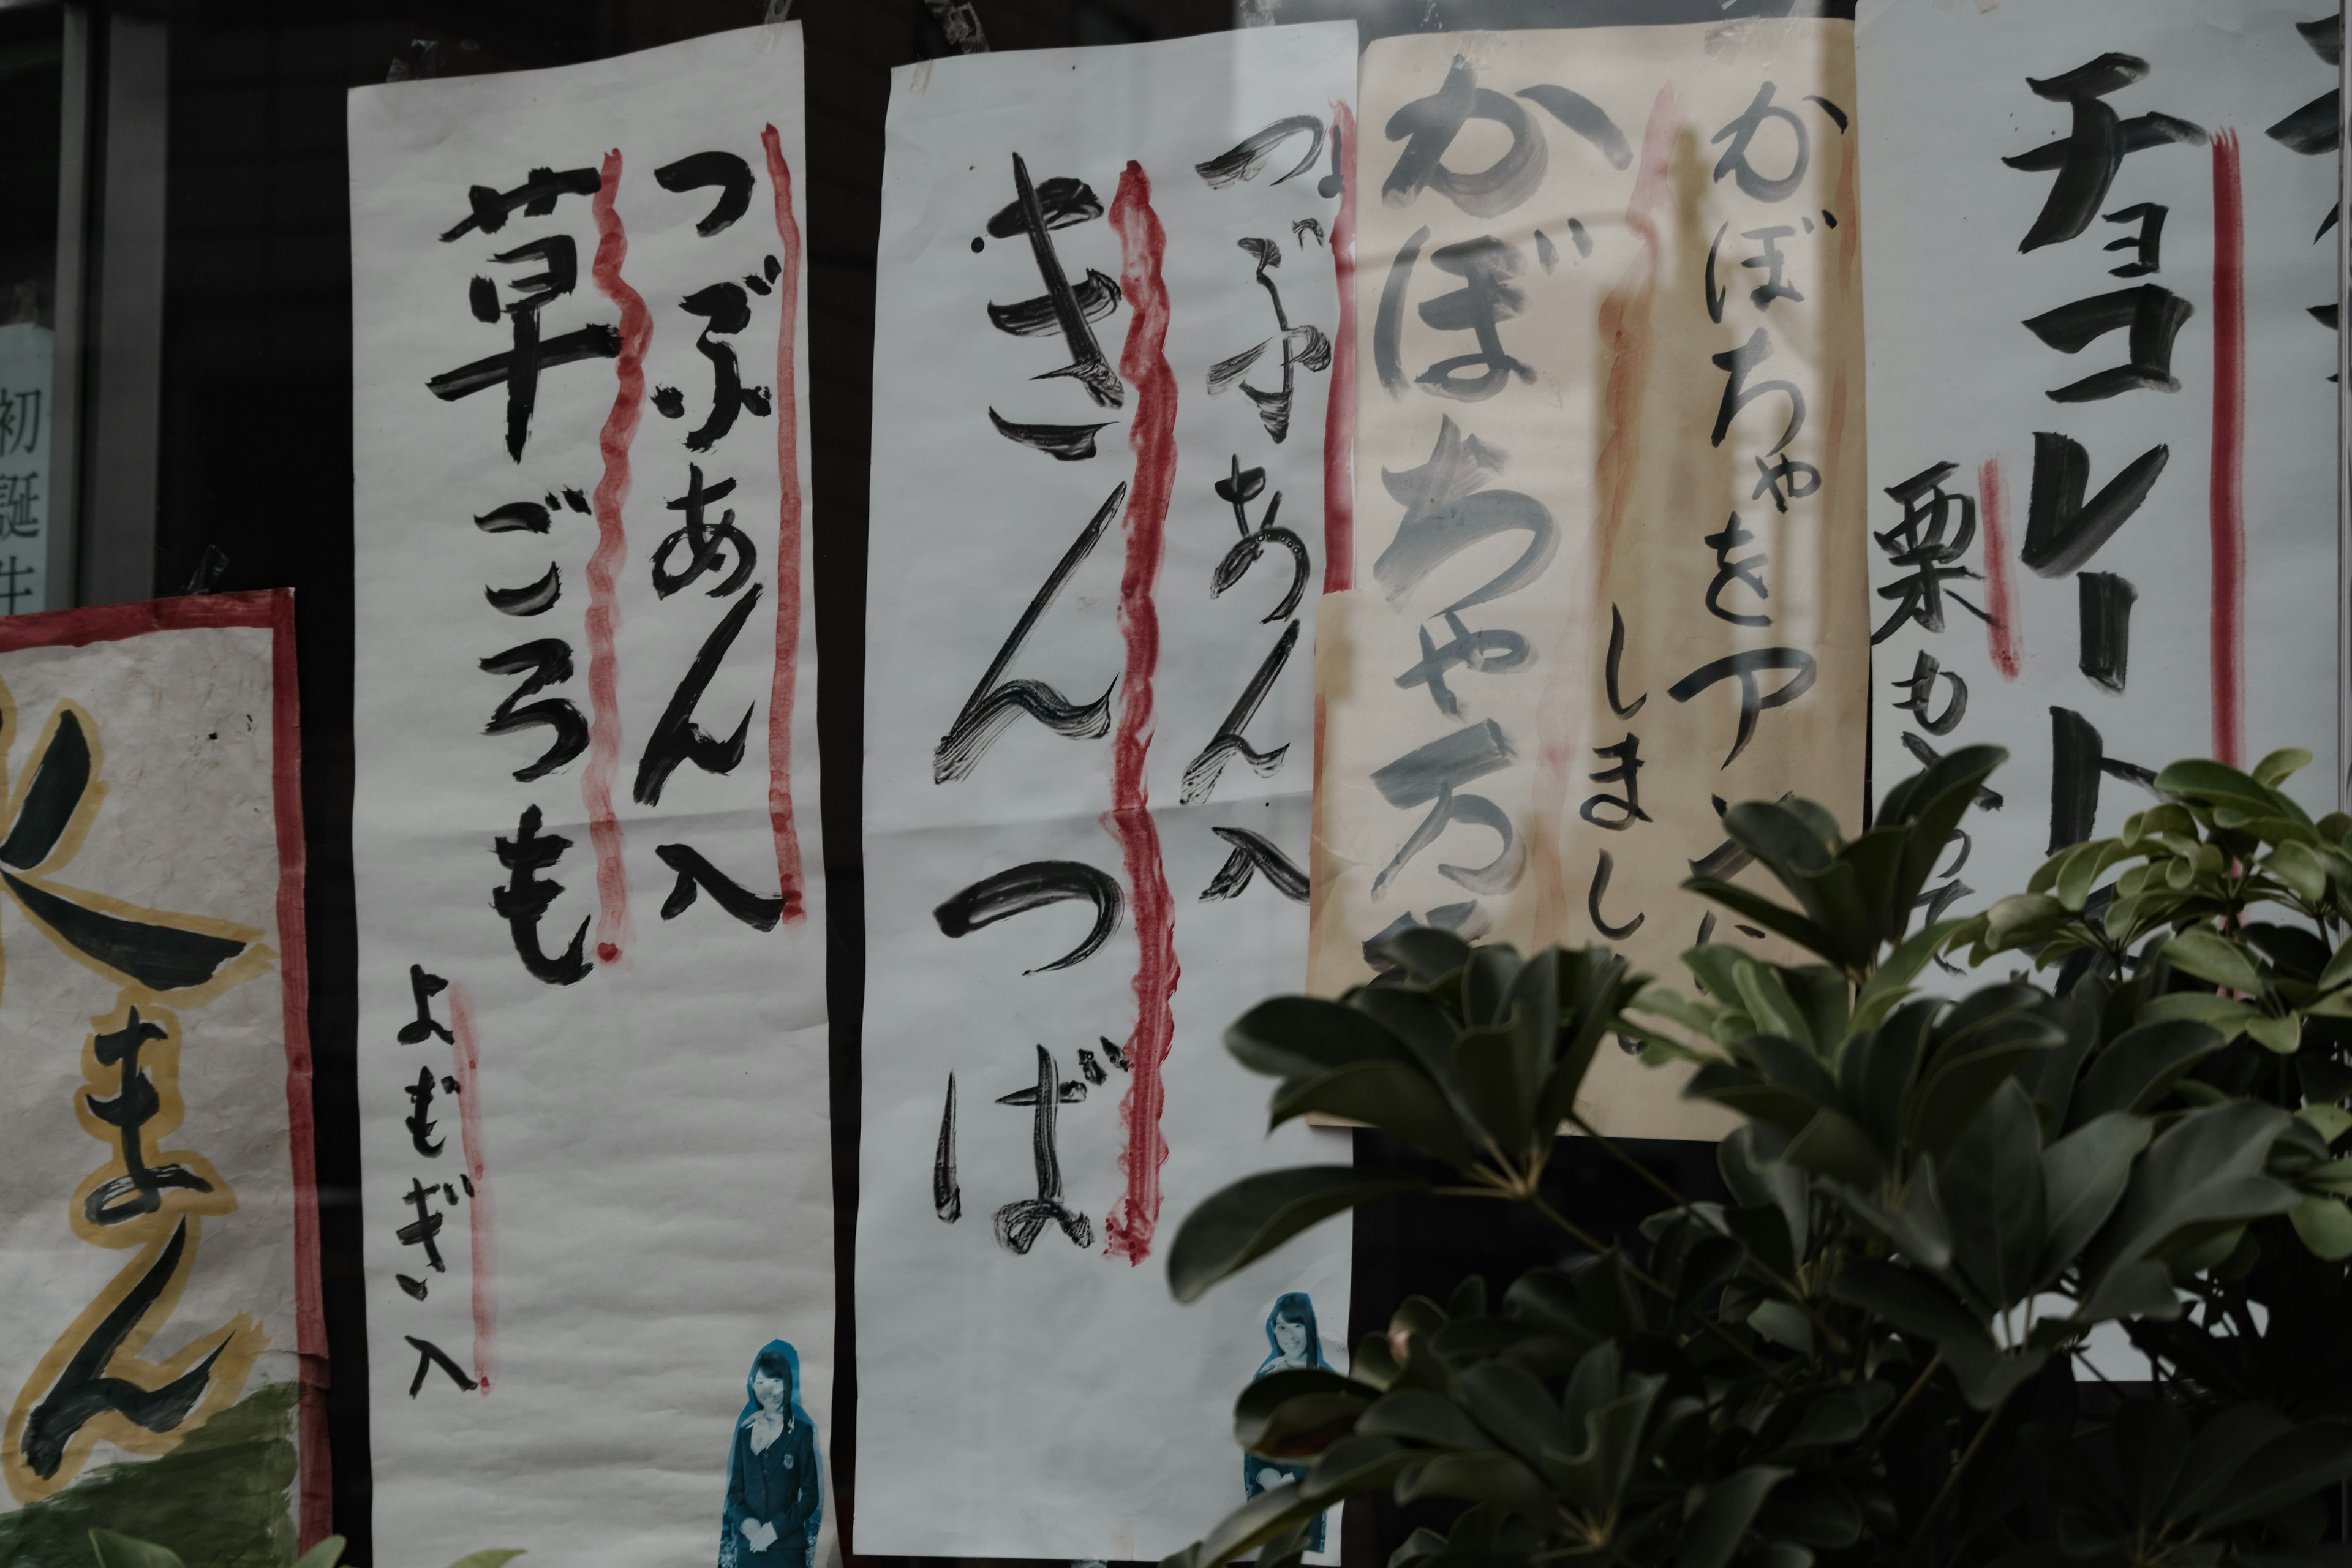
117 1550
1868 1353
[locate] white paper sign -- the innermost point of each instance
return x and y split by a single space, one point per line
26 411
1608 565
1110 337
161 1354
591 1057
2102 435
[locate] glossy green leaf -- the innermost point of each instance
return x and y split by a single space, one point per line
2330 1121
1415 1018
1906 1299
1958 1082
1425 953
2277 767
1398 1098
492 1557
1515 1409
1487 1077
1931 802
1596 1475
2130 1290
326 1554
1986 1375
1758 1178
2138 1068
1723 1516
2212 783
2324 1225
1487 979
1298 1410
1832 1145
1888 985
1299 1037
1355 1465
2203 1173
1260 1519
2208 956
1489 1476
1991 1183
1831 1419
1814 1509
1775 918
1419 1416
2083 1175
2288 1470
1240 1224
2280 1036
116 1550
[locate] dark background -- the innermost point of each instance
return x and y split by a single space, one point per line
256 486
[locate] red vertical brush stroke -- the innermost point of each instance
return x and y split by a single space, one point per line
467 1056
788 538
2225 500
1339 415
603 618
1625 330
2003 637
314 1519
1152 435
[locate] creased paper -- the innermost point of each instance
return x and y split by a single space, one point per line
1608 571
1109 342
2103 450
591 1049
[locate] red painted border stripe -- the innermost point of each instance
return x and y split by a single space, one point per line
1143 360
314 1519
2225 500
466 1055
1339 416
604 618
788 538
2003 636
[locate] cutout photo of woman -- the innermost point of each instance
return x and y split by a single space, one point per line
773 1490
1291 1333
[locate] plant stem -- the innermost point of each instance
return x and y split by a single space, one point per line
1796 1293
1952 1482
1643 1276
1904 1403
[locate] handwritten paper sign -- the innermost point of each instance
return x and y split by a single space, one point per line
1109 342
164 1352
2103 455
28 409
1607 572
591 1045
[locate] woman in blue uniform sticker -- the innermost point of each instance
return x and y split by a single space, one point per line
1290 1332
773 1490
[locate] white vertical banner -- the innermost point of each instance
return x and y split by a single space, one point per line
591 1057
2102 436
1607 572
1110 344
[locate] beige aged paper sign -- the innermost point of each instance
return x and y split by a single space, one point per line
1608 564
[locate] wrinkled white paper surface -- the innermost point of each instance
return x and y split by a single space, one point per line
182 821
1056 1402
1611 520
653 1137
1957 378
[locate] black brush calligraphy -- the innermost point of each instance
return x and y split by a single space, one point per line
1035 885
993 705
